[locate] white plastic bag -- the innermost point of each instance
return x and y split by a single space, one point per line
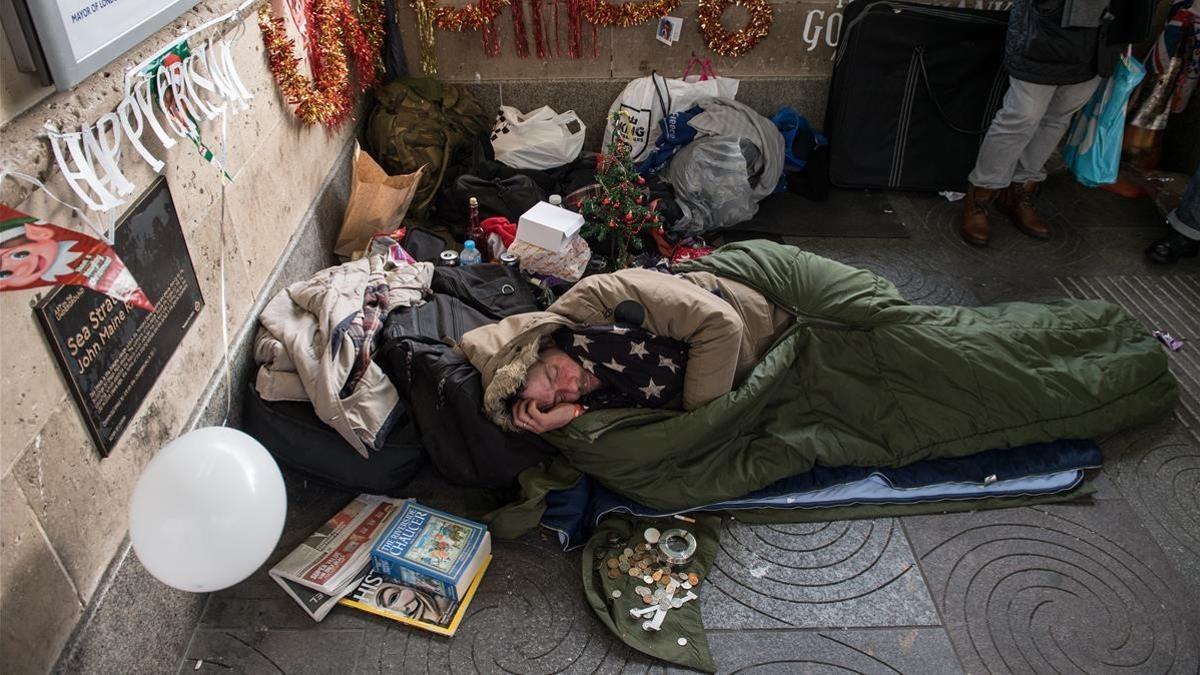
541 139
646 100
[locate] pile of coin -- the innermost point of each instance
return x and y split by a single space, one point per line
642 561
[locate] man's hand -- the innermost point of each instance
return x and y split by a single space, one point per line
528 418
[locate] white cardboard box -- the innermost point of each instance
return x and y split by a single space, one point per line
548 226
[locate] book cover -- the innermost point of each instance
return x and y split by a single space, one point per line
431 550
413 606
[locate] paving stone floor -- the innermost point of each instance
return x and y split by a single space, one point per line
1109 585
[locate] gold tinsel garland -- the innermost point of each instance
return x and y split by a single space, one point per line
335 34
477 16
741 41
601 13
468 17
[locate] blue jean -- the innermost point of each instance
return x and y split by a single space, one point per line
1185 219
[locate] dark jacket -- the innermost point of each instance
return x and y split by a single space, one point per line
1042 51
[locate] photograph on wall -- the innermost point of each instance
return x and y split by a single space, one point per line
111 351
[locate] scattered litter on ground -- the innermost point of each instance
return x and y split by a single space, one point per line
952 196
1173 343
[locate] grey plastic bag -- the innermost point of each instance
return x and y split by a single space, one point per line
712 185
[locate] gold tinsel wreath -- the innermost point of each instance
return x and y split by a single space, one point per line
601 13
738 42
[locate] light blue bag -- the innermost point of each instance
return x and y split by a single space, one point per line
1093 148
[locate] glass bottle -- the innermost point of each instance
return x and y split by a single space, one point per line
474 229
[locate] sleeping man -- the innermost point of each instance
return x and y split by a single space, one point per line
777 360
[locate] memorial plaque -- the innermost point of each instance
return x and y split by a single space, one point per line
110 352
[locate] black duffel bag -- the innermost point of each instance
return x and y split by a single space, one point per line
293 433
505 197
495 290
914 90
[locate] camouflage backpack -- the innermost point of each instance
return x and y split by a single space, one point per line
422 122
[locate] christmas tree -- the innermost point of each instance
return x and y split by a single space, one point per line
619 208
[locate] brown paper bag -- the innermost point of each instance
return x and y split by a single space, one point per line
377 203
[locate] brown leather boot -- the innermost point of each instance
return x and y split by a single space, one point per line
1018 202
975 227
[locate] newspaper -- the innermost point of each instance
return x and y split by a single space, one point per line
333 560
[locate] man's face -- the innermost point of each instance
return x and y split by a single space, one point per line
557 378
25 262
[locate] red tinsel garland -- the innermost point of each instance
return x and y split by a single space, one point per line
467 17
519 36
741 41
574 33
335 34
539 35
601 13
480 16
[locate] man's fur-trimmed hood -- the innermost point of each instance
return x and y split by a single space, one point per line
503 353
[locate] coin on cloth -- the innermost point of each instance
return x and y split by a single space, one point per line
657 576
616 593
642 591
682 642
628 552
647 600
651 535
613 574
648 579
694 578
632 572
624 567
612 563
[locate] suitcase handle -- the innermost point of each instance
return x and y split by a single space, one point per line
919 52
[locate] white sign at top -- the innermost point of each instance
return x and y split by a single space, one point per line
91 24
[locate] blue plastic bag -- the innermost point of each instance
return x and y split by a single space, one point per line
798 137
1093 148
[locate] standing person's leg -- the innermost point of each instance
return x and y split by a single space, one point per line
1010 132
1184 240
1019 199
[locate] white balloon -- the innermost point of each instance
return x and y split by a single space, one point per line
207 510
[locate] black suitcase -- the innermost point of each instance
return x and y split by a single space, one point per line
297 438
914 90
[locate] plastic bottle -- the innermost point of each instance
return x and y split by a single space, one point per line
556 200
470 255
474 229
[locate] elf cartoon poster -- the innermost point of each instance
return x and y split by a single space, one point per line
34 253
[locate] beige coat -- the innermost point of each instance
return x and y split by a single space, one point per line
726 334
305 351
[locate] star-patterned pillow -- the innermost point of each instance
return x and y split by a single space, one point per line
638 368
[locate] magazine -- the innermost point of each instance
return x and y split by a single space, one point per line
331 562
432 550
412 606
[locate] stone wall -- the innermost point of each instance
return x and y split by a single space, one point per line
63 509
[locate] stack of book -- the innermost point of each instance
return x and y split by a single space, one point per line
393 558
